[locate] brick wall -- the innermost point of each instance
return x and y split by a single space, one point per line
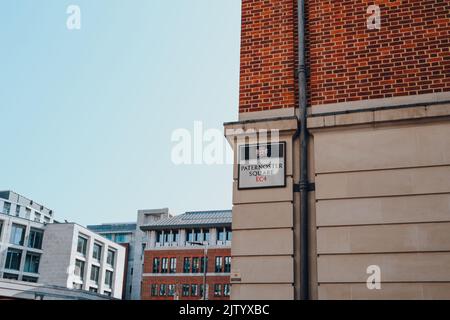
409 55
267 55
347 62
181 279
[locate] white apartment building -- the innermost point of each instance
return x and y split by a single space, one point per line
77 258
14 204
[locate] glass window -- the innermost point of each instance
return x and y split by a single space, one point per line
97 251
17 234
29 279
27 213
203 264
10 276
206 235
17 210
13 258
121 238
35 238
198 235
190 236
226 290
229 234
108 278
111 257
108 236
194 290
195 265
176 236
6 207
107 293
92 289
95 272
79 268
32 262
222 235
159 236
187 265
185 290
227 264
154 289
164 265
171 290
82 245
77 286
202 290
173 265
219 264
217 290
155 265
37 217
162 289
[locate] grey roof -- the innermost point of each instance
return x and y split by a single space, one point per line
193 219
113 227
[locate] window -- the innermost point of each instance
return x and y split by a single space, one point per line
175 236
173 265
217 290
27 213
37 217
82 245
29 279
191 236
79 268
17 234
1 228
77 286
219 264
203 264
201 290
206 235
194 290
159 236
13 258
107 293
154 290
108 236
229 234
108 278
195 265
46 219
155 265
226 290
171 290
121 238
95 272
227 264
35 238
10 276
92 289
162 289
97 251
17 210
198 236
222 235
6 207
187 265
185 290
32 262
164 265
111 257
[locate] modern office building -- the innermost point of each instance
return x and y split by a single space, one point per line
131 237
77 258
51 260
124 234
177 250
344 176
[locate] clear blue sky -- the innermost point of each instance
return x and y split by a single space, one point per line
86 116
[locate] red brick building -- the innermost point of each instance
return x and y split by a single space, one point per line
174 257
359 93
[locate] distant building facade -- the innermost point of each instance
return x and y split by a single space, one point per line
131 237
174 258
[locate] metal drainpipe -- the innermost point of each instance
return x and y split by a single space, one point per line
304 184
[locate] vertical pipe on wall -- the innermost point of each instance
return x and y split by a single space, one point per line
304 184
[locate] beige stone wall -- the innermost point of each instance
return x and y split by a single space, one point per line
263 248
383 198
